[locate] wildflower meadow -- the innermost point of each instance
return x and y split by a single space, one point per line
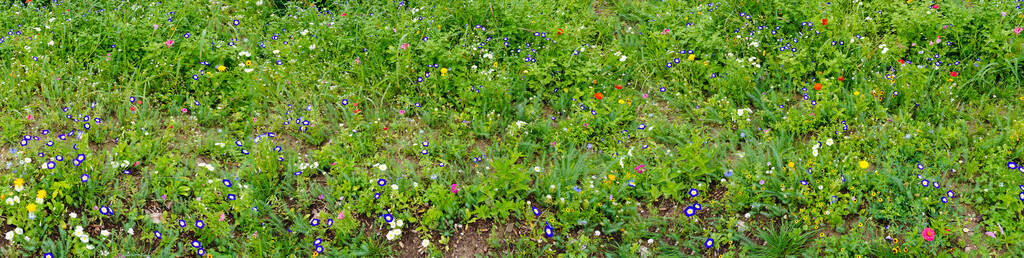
511 128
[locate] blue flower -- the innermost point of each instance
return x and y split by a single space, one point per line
48 255
181 223
86 126
642 126
950 194
668 65
382 182
376 196
920 166
297 173
157 234
200 224
803 182
924 182
238 143
709 243
388 217
319 249
536 212
105 210
314 222
330 222
200 252
935 184
424 152
696 206
59 158
236 22
630 183
693 192
245 152
944 200
689 211
231 197
1011 165
728 173
548 230
317 241
425 144
1021 196
344 102
226 182
51 165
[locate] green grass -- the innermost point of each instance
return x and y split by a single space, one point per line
602 115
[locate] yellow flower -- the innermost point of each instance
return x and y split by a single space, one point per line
790 164
31 207
18 182
41 194
691 57
221 68
611 177
1021 98
248 62
444 71
863 164
856 93
622 101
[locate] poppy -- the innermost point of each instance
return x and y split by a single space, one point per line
817 86
953 73
618 86
841 78
824 21
598 96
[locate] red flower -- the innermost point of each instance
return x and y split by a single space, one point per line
953 74
132 108
935 6
355 111
618 86
841 78
817 86
598 96
559 32
344 14
902 61
824 21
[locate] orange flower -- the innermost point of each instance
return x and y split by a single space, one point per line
817 86
598 96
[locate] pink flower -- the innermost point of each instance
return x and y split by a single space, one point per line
184 110
221 216
253 119
665 31
357 60
1017 30
30 117
401 112
455 188
991 234
639 169
168 43
341 215
928 234
645 95
405 45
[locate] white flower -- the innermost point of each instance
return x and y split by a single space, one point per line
520 124
489 56
39 200
536 169
597 233
244 53
426 242
131 231
400 223
18 188
622 58
18 231
84 238
394 233
815 152
650 241
382 167
394 187
9 201
304 32
50 43
90 247
9 236
313 46
828 142
105 233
